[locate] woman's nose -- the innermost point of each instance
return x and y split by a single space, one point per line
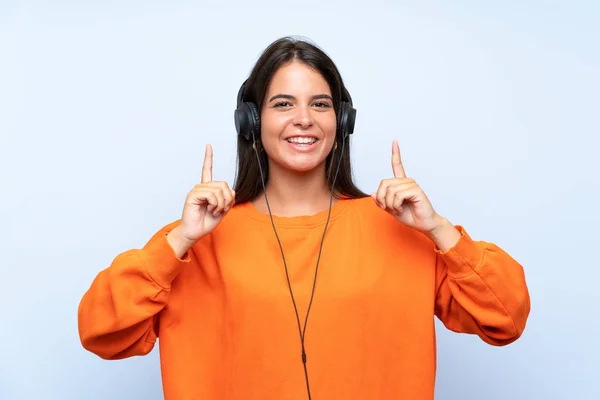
303 117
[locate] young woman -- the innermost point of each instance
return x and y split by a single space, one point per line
296 284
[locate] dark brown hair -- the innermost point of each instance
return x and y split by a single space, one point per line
247 183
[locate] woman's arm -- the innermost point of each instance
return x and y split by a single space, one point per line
118 313
480 289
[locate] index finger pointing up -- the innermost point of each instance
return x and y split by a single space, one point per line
397 166
208 163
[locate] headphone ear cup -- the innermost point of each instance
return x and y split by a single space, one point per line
346 119
341 118
240 118
254 118
247 120
350 119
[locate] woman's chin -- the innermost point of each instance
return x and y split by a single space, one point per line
301 166
300 162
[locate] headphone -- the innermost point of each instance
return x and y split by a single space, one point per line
247 124
247 120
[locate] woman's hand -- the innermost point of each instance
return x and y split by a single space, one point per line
205 206
404 198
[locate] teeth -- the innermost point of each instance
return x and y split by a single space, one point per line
302 140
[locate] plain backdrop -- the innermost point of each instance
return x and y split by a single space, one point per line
106 107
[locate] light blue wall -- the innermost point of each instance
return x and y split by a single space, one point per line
105 112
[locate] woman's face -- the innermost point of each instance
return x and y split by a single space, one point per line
298 121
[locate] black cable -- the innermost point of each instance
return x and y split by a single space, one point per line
302 331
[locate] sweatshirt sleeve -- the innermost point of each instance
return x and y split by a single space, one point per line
480 289
118 314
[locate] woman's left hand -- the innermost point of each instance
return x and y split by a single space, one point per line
403 198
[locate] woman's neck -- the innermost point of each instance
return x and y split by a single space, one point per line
293 194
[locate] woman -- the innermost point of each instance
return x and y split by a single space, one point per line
229 288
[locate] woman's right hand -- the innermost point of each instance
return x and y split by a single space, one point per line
205 206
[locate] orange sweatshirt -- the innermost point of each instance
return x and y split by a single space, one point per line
228 329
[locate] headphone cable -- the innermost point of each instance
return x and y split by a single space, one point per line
301 330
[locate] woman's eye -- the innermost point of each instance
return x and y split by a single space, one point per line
319 104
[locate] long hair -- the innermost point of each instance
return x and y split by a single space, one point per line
247 183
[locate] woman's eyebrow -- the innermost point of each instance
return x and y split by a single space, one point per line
290 97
